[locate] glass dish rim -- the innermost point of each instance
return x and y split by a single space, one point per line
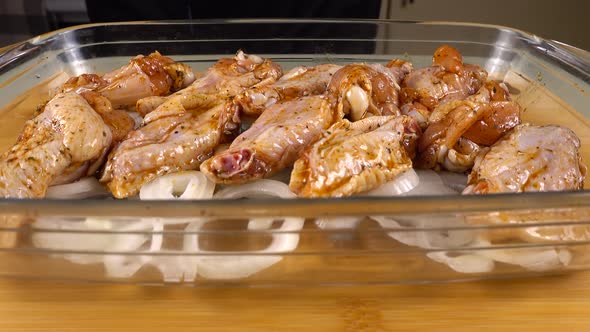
305 207
571 50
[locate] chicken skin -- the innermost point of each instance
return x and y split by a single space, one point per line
361 90
298 82
144 76
225 79
355 157
185 129
529 158
446 80
66 141
459 129
274 141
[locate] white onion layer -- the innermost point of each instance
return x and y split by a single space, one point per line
413 233
236 265
87 187
137 119
481 261
466 263
181 185
114 238
403 183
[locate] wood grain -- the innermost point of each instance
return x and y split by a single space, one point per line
538 304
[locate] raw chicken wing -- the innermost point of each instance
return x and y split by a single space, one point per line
185 129
274 141
144 76
225 79
529 158
361 90
355 157
66 141
446 80
459 129
298 82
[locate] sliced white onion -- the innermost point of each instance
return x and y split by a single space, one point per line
412 237
480 261
534 259
179 185
329 223
403 183
430 184
227 265
114 238
467 263
262 223
455 181
414 233
475 261
123 266
236 265
137 118
87 187
257 189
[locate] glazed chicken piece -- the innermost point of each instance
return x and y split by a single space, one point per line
446 80
529 158
169 144
185 129
459 129
118 120
144 76
273 142
66 141
225 79
361 90
356 157
298 82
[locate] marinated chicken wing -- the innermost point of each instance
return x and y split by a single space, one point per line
225 79
298 82
118 120
360 90
355 157
446 80
144 76
529 158
459 129
67 140
184 130
274 141
169 144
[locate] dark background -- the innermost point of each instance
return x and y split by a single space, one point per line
564 20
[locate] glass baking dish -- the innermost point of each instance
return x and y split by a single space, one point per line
272 241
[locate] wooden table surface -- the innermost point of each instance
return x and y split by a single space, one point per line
560 303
